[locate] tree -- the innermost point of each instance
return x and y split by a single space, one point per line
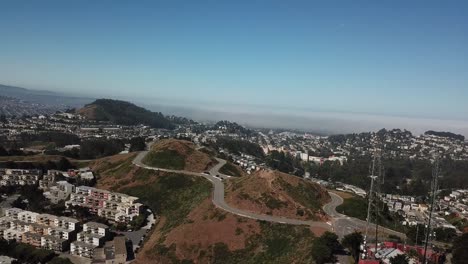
64 164
321 253
3 151
137 144
399 259
324 246
353 242
460 249
445 234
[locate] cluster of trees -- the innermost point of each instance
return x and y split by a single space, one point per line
125 113
28 254
285 163
32 199
232 127
445 134
460 249
240 146
97 148
62 164
180 120
324 247
403 176
60 139
353 242
13 152
137 144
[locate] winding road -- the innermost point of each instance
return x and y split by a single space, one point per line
340 224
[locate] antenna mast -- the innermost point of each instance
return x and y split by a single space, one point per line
434 187
376 159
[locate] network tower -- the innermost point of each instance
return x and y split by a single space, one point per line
376 165
434 188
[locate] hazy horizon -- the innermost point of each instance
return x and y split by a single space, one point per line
306 120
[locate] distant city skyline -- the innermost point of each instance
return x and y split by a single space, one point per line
405 59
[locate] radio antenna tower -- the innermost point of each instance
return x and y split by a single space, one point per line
380 181
376 159
434 187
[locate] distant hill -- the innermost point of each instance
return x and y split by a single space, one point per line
231 127
10 106
43 97
278 194
124 113
445 134
178 155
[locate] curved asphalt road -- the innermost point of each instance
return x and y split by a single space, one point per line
343 225
340 224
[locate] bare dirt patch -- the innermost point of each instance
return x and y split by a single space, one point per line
207 226
117 172
279 194
88 111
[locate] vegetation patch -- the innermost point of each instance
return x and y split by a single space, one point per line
302 194
272 202
172 196
357 207
354 207
168 159
230 169
124 113
275 244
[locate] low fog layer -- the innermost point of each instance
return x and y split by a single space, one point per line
318 122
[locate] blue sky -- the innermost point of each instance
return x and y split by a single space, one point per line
405 58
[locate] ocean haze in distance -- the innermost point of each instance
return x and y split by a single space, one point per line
316 122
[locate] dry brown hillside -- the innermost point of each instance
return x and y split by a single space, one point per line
190 229
88 111
279 194
178 155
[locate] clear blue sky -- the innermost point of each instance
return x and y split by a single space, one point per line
398 57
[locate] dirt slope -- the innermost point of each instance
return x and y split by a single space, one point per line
279 194
89 112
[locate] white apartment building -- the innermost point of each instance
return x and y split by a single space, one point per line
82 249
39 230
117 207
93 235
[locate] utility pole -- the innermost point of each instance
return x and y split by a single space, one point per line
434 187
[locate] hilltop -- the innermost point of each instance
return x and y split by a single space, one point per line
191 229
278 194
445 134
124 113
178 155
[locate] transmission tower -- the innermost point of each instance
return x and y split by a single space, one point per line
434 187
376 162
380 180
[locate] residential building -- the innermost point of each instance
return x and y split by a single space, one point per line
117 207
